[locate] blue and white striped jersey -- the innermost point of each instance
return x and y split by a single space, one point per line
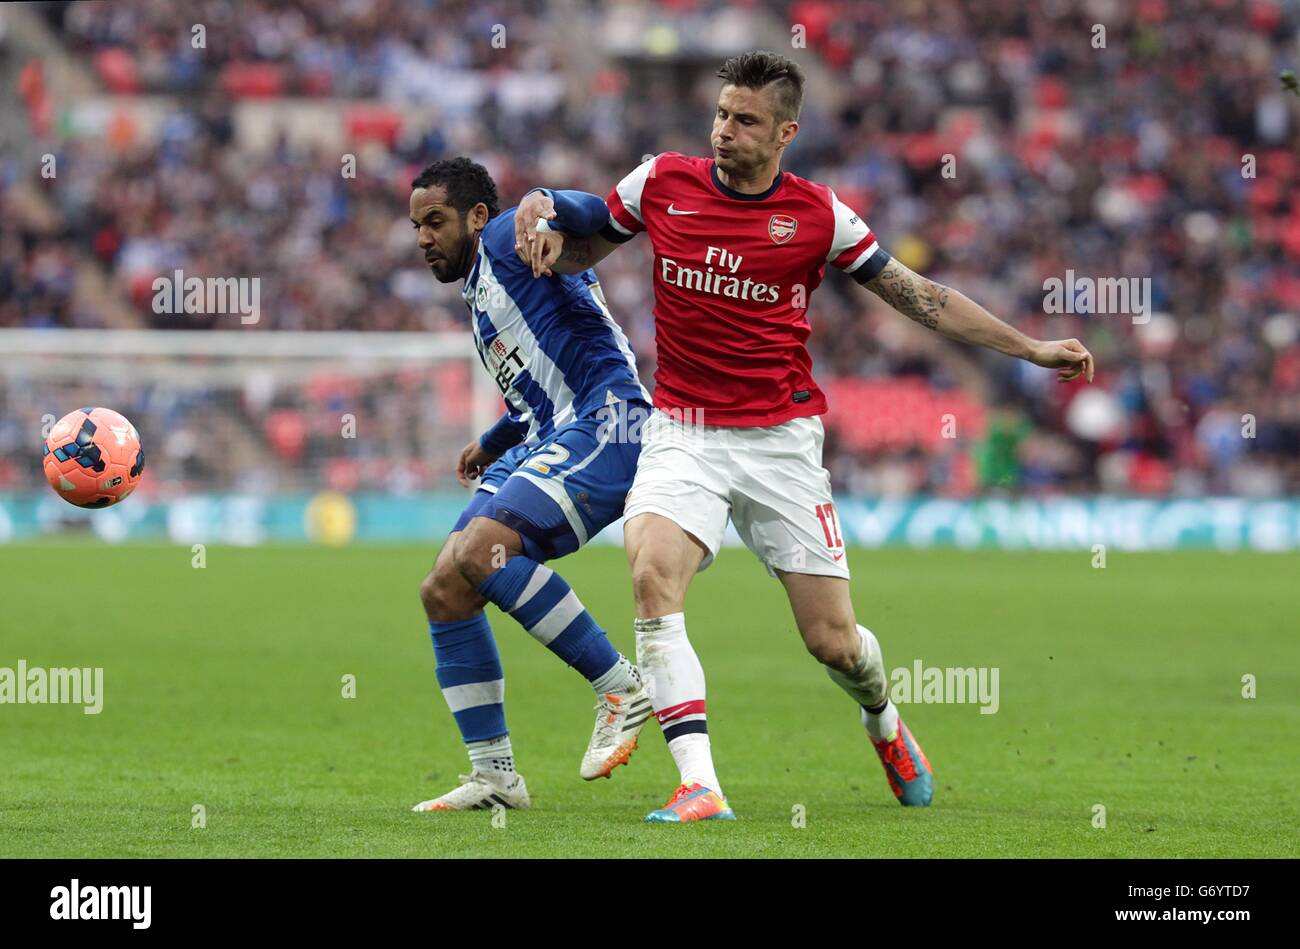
550 343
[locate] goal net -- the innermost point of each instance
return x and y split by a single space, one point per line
250 436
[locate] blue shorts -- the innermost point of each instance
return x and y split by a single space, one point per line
560 493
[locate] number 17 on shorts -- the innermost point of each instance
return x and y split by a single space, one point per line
831 529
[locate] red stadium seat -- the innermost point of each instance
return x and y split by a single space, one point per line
253 80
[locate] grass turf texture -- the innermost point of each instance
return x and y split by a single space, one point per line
1119 686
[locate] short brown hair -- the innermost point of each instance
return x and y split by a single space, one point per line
758 69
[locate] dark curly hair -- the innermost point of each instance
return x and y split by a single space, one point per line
467 182
755 70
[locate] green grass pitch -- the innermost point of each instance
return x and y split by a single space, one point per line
223 687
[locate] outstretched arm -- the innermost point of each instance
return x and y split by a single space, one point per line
572 242
956 316
567 253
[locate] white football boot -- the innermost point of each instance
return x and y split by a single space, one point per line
620 716
481 791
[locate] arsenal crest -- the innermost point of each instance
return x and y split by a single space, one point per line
780 227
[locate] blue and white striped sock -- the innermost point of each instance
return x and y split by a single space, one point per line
469 672
547 607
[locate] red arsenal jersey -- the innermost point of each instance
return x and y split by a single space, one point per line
732 277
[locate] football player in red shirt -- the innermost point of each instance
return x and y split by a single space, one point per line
739 246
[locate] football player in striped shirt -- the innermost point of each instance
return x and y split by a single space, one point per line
739 246
552 473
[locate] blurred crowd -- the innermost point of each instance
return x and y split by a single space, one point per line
397 431
990 145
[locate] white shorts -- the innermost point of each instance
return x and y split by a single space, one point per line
770 481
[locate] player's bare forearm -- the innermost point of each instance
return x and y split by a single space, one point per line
579 253
956 316
946 310
575 256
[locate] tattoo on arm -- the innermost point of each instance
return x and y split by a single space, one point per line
917 298
577 251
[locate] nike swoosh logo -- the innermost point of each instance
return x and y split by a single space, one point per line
673 210
839 557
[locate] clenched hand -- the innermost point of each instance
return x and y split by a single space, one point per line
1068 355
